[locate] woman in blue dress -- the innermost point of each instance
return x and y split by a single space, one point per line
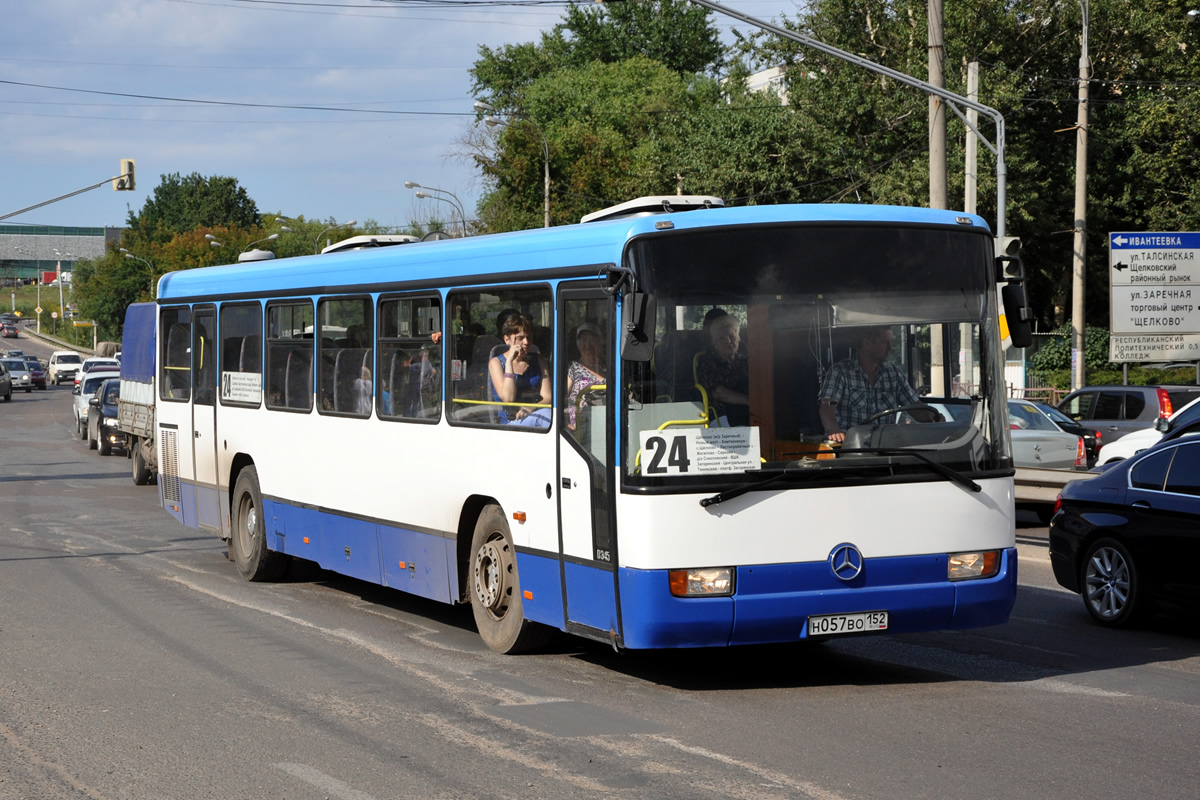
517 376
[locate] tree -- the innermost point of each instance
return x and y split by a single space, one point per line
675 33
603 124
181 204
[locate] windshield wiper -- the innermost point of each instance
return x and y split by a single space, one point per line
940 469
763 482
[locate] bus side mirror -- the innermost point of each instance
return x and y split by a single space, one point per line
638 312
1016 312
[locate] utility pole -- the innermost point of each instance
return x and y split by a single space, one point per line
937 166
1079 261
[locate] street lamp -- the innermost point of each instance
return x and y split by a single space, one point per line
317 241
270 238
457 204
214 241
130 255
62 306
490 118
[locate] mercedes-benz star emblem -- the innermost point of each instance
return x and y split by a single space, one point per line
846 562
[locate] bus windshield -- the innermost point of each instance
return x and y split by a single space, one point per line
835 353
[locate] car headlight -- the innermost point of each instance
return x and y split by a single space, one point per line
704 582
966 566
110 422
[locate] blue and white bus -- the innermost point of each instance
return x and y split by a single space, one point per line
337 408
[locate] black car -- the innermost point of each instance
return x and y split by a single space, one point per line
1128 539
1091 437
102 418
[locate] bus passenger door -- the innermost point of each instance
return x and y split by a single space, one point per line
204 419
586 523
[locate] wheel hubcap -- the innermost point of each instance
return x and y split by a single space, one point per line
1107 582
249 526
490 576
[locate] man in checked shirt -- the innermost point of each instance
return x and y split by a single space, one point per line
861 386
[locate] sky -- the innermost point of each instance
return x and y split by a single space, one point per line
318 108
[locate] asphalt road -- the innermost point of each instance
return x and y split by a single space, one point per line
134 663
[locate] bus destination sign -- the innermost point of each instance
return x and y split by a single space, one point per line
1154 297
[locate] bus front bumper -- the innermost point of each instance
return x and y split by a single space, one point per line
772 603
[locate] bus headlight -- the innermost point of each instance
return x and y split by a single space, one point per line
705 582
965 566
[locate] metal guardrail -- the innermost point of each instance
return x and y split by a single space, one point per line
55 341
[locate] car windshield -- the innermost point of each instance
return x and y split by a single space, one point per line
1056 415
111 393
70 359
1026 416
16 364
1186 415
767 313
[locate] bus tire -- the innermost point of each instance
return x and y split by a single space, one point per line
496 590
141 471
248 542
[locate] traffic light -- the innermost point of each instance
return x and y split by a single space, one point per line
124 182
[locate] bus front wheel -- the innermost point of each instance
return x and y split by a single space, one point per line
248 544
495 589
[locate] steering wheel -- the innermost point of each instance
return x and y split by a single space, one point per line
908 409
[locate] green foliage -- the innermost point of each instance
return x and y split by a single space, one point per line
1051 364
850 135
182 204
1054 354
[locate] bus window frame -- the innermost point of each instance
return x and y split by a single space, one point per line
319 327
278 303
221 351
505 288
440 345
164 384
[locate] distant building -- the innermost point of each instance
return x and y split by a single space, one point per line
26 251
770 79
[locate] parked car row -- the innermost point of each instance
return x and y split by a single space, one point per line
1116 411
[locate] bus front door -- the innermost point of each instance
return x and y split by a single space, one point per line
586 520
204 418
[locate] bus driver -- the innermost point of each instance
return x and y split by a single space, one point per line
861 386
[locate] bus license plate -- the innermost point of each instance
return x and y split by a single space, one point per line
832 624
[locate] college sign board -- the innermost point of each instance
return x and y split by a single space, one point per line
1154 297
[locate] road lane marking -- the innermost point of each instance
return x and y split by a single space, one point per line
326 783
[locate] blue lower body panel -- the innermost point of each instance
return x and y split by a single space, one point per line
772 603
541 587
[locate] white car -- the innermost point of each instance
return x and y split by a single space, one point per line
97 362
83 390
63 366
1131 444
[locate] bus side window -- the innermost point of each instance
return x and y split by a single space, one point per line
346 367
290 356
175 382
409 381
477 318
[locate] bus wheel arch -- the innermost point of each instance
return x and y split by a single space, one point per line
248 539
493 586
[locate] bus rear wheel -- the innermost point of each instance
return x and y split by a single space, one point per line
248 542
496 590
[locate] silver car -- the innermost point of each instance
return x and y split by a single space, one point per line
83 391
1039 443
18 373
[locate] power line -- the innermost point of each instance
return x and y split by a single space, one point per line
243 105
